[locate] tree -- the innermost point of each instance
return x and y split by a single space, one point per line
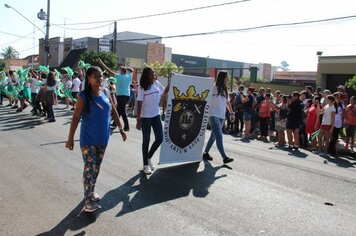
284 66
245 81
166 68
108 58
2 64
351 83
9 52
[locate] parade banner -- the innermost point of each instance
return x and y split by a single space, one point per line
186 119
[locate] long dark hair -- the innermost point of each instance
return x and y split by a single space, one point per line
88 90
220 83
51 79
145 78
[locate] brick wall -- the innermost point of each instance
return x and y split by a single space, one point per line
155 52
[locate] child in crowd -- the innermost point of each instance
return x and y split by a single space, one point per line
350 123
327 126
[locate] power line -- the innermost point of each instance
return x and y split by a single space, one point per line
161 14
244 29
28 49
21 37
16 35
96 27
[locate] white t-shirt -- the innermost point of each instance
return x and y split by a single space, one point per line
327 114
34 87
105 83
69 84
76 85
150 99
9 81
5 81
338 116
218 104
82 86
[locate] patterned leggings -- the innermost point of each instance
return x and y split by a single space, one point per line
92 156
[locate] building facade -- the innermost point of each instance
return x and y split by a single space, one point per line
336 70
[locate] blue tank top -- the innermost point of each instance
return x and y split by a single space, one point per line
95 125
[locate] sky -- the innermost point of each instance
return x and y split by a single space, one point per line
297 45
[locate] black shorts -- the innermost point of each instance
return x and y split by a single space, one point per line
292 124
75 94
350 131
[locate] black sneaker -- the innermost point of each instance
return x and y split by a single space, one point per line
228 160
51 120
126 129
207 157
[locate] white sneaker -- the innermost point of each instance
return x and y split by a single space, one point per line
147 170
151 165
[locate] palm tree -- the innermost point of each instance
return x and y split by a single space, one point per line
9 52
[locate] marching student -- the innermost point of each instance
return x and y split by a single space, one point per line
75 88
69 85
50 96
94 109
148 115
34 91
220 101
123 81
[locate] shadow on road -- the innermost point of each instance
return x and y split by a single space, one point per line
344 162
169 184
295 153
15 120
54 143
24 120
164 185
75 220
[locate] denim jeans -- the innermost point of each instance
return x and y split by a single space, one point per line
216 134
50 113
147 123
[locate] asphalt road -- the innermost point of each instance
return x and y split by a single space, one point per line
265 191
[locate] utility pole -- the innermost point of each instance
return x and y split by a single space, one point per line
115 38
47 34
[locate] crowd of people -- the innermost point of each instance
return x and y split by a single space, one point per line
307 119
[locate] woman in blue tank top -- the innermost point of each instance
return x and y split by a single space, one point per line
94 107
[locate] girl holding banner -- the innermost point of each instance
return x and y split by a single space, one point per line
148 115
219 103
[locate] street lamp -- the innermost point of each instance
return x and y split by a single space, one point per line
40 14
